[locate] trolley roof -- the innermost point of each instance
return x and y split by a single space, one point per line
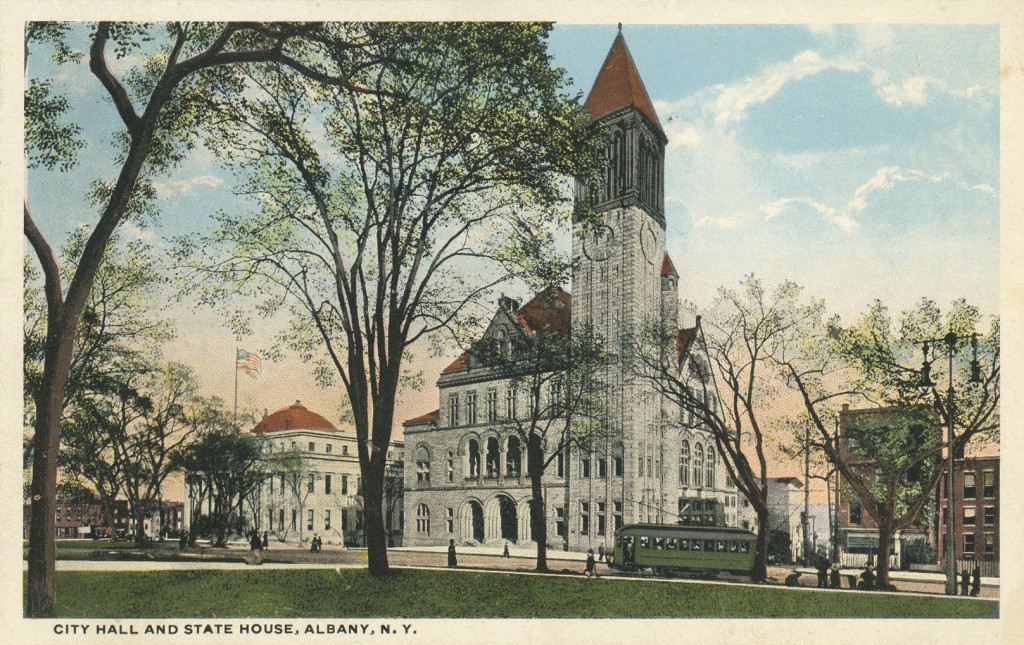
688 532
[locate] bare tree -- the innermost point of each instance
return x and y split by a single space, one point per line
721 377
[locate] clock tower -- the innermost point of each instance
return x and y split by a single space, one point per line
618 284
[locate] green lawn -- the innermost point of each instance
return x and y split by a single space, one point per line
416 593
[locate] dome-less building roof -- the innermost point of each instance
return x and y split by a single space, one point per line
293 417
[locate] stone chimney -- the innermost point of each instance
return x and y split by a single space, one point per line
507 304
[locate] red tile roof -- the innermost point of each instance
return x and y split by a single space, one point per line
548 311
683 341
293 417
667 268
618 84
429 417
462 362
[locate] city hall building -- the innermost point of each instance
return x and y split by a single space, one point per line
465 473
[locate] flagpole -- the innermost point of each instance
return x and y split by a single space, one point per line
234 413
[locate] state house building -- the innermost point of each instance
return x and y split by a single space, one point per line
465 473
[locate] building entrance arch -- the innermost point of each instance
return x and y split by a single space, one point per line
472 521
508 519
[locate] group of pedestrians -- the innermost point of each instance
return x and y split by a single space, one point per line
974 580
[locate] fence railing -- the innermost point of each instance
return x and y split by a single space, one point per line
989 568
860 560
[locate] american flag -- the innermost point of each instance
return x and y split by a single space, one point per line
247 361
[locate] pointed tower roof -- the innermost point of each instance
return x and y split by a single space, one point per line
667 268
618 84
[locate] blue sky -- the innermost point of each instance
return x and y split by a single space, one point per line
859 162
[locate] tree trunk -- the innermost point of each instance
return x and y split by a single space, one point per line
760 571
885 537
373 522
42 547
538 518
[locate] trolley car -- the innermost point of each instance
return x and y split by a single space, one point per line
673 548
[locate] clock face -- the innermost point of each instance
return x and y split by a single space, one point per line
649 243
598 243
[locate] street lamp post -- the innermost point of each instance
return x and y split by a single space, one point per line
950 340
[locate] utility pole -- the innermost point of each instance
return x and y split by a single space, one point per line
805 517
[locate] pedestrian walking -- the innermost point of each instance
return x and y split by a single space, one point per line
976 580
266 541
600 552
822 574
965 582
834 576
504 553
254 541
452 561
591 569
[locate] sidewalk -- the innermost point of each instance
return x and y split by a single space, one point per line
514 551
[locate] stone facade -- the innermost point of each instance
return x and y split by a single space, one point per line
465 478
322 493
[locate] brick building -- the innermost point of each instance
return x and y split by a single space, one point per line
84 520
976 513
858 532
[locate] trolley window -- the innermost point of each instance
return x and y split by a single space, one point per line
659 543
695 545
684 544
721 546
734 546
671 544
744 547
709 545
644 541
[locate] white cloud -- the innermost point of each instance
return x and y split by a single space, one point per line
773 209
727 222
681 135
884 180
134 232
185 186
733 101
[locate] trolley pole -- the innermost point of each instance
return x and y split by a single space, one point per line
805 519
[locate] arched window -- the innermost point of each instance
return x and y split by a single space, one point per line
474 459
493 457
513 457
684 464
710 468
423 519
422 465
698 464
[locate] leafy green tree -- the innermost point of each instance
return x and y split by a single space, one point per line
120 327
380 219
161 104
564 375
222 469
875 361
